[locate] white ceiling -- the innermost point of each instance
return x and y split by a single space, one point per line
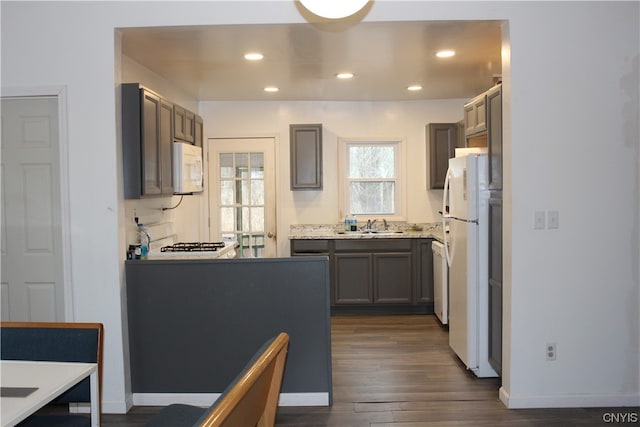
303 59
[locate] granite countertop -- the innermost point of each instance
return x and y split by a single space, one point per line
395 231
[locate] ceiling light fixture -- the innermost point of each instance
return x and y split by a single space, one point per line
333 9
253 56
414 88
445 53
344 75
271 89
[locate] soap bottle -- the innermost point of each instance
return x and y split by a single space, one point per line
353 222
144 239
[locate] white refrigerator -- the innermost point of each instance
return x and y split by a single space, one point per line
465 215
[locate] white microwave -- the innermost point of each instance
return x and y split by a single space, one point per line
187 168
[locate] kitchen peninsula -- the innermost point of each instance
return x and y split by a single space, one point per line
193 325
388 269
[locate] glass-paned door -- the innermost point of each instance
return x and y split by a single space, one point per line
241 185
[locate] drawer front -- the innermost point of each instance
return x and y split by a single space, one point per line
386 245
309 247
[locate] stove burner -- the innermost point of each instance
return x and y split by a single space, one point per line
193 247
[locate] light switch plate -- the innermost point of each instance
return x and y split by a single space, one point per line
553 219
539 220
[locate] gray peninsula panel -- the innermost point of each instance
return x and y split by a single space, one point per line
194 324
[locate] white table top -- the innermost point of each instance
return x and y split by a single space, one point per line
51 379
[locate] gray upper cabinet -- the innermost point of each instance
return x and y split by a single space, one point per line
494 136
443 140
198 132
147 135
475 115
184 124
306 156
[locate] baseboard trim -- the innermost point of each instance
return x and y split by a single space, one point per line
570 400
206 399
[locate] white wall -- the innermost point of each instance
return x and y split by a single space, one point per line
406 120
571 144
187 216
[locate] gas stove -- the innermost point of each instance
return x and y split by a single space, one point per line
193 247
195 250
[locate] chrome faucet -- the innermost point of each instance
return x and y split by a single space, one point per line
370 224
386 226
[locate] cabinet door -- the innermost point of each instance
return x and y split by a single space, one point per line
198 132
151 174
352 280
306 156
424 271
392 278
494 140
495 283
166 146
443 140
184 124
475 115
189 126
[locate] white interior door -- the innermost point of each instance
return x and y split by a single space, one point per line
32 260
242 207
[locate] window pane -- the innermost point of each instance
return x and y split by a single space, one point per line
372 197
257 219
244 191
246 223
374 161
257 165
226 165
226 192
257 192
242 165
226 219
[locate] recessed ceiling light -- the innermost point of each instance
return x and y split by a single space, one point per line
253 56
445 53
271 89
344 75
414 88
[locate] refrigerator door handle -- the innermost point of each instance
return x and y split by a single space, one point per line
469 221
445 217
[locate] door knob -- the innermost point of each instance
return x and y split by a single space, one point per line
271 235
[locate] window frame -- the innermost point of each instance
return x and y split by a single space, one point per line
344 194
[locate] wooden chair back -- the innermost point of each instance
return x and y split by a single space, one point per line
55 342
252 399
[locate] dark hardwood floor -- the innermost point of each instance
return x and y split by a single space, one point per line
398 371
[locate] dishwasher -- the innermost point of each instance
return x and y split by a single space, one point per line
440 283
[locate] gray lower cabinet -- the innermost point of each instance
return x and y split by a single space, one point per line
368 273
423 262
352 282
392 278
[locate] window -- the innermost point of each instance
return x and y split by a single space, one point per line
372 178
242 201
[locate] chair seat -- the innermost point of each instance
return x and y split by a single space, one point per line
176 415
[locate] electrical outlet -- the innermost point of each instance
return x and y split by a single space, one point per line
551 351
553 219
539 220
